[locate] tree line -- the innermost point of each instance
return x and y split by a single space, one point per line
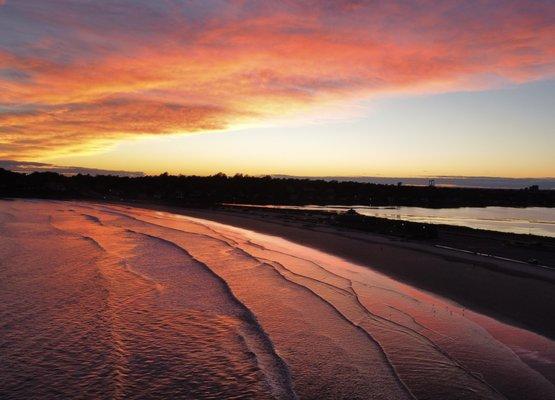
219 188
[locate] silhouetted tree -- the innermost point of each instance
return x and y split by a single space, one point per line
219 188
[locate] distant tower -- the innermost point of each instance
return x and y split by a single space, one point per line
431 182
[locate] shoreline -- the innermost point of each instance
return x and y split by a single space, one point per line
219 303
531 250
497 288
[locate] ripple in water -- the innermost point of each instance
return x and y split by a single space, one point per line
109 302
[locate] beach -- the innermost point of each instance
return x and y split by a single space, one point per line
120 301
490 285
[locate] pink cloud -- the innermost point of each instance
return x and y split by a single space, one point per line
82 76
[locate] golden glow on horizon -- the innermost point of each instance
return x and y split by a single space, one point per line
256 152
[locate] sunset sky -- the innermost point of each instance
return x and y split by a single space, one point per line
352 87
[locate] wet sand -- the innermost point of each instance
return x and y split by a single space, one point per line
112 301
520 294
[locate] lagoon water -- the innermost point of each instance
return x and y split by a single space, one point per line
113 302
530 220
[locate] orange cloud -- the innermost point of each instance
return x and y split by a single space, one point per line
87 75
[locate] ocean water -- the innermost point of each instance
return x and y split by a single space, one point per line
113 302
528 220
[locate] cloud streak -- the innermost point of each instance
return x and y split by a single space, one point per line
81 75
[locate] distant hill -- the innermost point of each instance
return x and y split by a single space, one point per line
32 166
